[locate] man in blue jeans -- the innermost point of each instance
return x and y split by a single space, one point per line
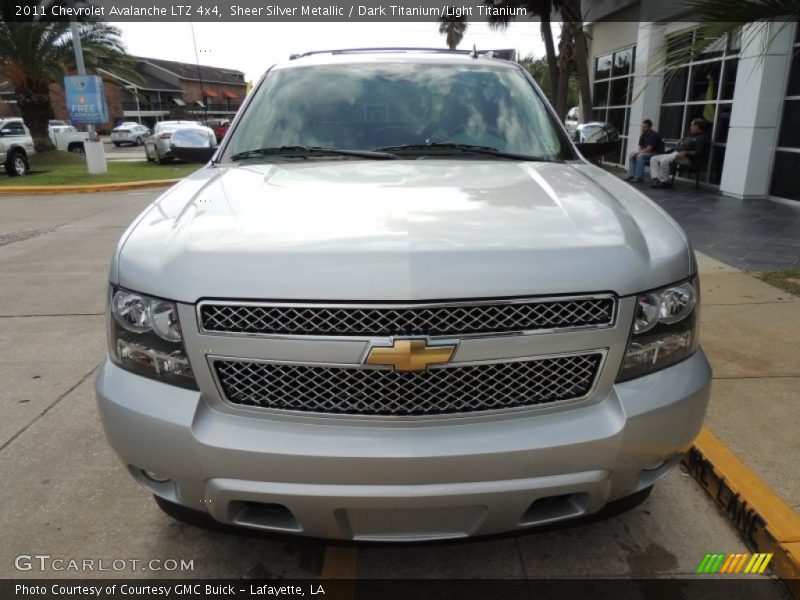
650 144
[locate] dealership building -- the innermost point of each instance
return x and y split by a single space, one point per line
747 89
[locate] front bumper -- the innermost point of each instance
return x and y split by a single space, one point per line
379 480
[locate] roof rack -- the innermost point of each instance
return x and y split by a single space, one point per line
472 52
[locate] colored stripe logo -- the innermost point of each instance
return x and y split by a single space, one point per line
734 563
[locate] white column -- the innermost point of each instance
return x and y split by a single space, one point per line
647 81
757 107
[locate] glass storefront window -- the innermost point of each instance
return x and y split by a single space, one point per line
611 93
705 81
675 85
623 62
729 79
789 136
602 68
670 122
787 154
700 86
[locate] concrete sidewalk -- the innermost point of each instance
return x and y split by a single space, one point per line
750 332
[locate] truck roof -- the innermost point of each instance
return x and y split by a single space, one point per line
371 55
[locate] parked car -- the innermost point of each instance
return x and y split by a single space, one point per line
572 120
157 146
220 127
404 308
16 146
129 133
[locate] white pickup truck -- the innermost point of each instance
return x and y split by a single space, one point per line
68 138
16 146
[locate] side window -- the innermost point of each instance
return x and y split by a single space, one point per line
14 128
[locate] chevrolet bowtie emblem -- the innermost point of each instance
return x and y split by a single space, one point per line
410 355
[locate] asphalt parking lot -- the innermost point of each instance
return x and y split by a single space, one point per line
65 493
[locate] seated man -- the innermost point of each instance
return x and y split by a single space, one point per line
650 144
692 146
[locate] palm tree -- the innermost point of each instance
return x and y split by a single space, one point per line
543 9
454 28
719 18
37 53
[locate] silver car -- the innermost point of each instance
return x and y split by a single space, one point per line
129 133
157 146
404 307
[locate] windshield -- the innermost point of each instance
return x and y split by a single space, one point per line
369 106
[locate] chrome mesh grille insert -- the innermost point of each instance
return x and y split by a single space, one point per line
446 390
375 320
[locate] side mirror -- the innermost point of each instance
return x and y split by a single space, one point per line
193 145
596 139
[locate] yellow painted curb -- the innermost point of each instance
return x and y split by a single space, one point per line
762 517
96 187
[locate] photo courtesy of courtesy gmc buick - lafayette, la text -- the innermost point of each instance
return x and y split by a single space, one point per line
398 303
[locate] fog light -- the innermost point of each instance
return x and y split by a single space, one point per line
157 477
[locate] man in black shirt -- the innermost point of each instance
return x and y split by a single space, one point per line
693 146
650 144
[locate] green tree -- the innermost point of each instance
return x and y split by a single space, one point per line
541 9
537 67
454 29
572 47
37 53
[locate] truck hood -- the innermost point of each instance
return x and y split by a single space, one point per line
400 230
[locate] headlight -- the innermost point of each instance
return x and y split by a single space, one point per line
145 338
665 328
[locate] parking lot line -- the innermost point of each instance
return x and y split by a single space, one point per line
339 562
764 520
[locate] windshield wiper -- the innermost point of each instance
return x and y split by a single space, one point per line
300 151
465 148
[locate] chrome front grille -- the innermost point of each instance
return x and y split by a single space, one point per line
440 390
442 319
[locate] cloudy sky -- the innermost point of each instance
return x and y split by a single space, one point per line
253 47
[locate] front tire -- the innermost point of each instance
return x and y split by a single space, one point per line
77 149
138 141
116 144
17 164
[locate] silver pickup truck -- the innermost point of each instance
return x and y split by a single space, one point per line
16 146
402 307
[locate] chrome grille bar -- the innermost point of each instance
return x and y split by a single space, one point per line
451 389
432 319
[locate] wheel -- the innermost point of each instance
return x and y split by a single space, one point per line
17 164
138 141
116 144
77 149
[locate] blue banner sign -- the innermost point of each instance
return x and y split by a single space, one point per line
86 99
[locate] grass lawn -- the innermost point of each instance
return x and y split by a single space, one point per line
65 168
788 280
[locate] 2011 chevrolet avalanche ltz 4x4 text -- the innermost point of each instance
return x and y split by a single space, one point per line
398 304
